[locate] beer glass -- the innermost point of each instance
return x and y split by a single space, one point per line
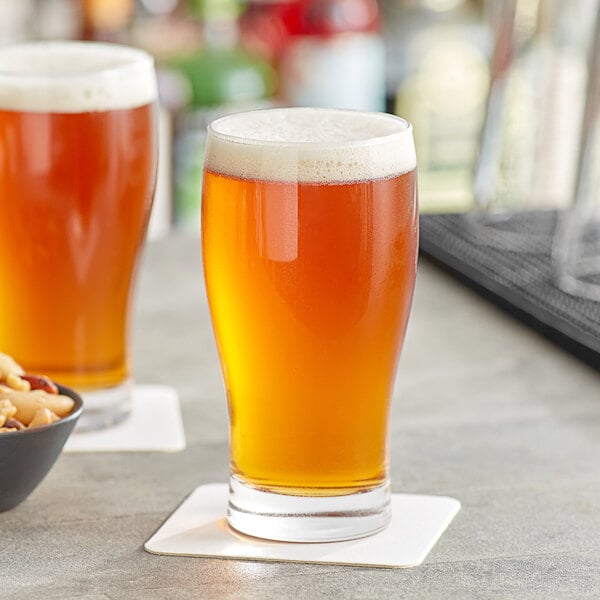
576 248
77 170
527 161
309 237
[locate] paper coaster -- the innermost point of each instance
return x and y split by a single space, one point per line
154 425
198 528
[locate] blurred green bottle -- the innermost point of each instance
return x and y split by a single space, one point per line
223 72
222 77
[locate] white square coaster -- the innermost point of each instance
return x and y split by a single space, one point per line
154 424
198 528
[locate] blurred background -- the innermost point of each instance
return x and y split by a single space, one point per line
442 64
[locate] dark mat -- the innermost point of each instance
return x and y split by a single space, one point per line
518 281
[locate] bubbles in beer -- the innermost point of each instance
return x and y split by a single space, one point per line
74 77
311 145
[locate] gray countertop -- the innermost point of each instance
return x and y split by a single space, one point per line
485 410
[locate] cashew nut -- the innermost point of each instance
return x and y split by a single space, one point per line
43 416
7 411
27 403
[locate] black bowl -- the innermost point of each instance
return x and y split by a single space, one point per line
26 456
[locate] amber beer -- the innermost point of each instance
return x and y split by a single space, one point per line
77 168
310 259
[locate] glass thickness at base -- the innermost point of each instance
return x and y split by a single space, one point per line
105 407
280 517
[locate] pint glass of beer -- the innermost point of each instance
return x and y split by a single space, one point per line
309 225
77 171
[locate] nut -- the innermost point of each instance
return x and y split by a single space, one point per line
14 424
8 366
28 403
43 416
18 382
28 400
7 411
10 373
39 382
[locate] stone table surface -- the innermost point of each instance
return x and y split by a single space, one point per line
485 410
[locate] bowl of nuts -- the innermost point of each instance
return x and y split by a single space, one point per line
36 418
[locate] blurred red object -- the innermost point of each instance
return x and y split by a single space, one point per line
330 17
268 26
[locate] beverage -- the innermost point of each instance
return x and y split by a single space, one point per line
77 168
310 259
323 328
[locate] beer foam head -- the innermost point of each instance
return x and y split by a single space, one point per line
74 77
313 145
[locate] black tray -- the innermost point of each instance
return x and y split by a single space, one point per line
518 281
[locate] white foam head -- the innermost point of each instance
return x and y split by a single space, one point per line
314 145
75 77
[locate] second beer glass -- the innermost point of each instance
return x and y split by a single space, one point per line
309 224
77 170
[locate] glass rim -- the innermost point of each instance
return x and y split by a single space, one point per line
371 141
131 58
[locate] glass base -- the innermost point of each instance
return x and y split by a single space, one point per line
516 231
287 518
106 407
582 285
